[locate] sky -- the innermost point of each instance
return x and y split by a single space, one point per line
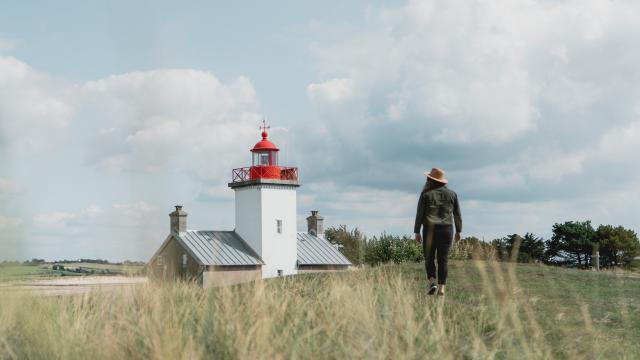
111 112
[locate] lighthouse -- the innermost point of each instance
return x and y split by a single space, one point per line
265 208
265 242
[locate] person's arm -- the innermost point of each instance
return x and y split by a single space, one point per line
457 217
419 218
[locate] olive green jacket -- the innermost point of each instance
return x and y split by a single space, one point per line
438 206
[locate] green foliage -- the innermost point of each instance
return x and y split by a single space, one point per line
529 248
572 244
472 248
352 242
618 246
387 248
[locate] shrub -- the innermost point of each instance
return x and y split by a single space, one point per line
472 248
388 248
352 242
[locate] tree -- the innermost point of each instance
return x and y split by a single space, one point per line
531 249
521 249
352 242
572 244
618 246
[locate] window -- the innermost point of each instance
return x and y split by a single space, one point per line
269 158
279 226
184 260
280 272
160 261
264 159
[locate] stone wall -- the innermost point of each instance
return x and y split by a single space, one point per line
168 264
229 275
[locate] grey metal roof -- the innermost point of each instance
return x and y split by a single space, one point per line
218 248
314 250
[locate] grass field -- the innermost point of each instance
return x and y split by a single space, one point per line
491 310
19 272
30 272
113 268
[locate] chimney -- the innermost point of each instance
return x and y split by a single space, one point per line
315 224
178 220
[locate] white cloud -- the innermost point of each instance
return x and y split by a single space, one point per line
331 91
621 144
66 223
35 109
119 231
185 120
143 119
529 105
153 121
93 217
371 210
556 167
483 73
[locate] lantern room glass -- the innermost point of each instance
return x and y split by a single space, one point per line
265 158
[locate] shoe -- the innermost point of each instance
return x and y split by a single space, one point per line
440 293
432 289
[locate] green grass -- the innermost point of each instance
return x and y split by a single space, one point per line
27 272
492 310
13 272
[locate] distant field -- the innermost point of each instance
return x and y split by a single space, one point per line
492 310
121 269
27 272
35 272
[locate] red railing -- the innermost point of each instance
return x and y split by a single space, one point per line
264 172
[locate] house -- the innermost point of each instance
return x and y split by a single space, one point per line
265 242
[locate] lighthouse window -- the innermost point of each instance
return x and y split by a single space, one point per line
267 158
264 159
260 159
279 226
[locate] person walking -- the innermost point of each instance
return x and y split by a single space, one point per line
438 211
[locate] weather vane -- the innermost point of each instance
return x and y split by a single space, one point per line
264 126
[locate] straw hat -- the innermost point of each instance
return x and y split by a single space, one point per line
437 175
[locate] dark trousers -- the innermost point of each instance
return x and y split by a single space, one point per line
436 241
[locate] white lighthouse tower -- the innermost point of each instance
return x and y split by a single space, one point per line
265 199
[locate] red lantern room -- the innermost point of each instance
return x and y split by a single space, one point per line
265 163
265 159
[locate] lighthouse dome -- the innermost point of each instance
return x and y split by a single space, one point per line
265 144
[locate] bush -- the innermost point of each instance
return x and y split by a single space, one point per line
352 242
388 248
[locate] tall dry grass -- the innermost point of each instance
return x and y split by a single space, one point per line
376 313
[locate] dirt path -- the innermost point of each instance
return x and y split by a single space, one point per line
71 285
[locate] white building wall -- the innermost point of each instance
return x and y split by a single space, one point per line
279 251
249 216
258 208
